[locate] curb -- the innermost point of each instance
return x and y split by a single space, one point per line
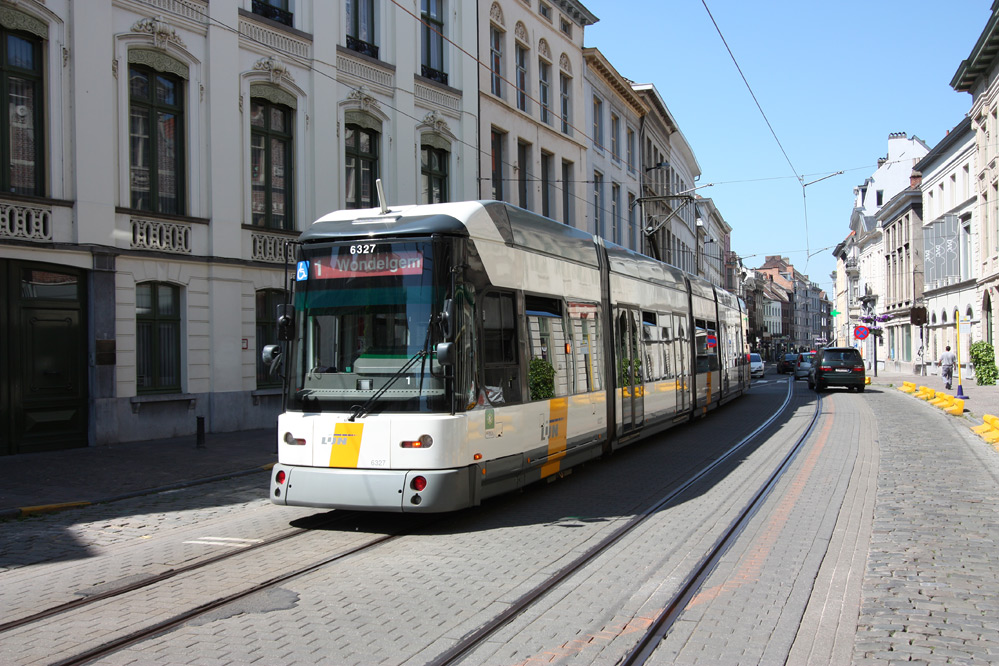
26 511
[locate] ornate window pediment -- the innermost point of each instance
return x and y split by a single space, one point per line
13 19
273 94
496 15
158 60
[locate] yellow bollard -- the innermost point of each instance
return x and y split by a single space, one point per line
926 393
908 387
941 400
956 407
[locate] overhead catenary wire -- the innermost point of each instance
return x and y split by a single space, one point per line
799 177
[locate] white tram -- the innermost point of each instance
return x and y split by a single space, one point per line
438 355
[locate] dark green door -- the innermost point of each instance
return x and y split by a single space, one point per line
44 357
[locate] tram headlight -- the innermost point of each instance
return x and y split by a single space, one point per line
418 483
424 442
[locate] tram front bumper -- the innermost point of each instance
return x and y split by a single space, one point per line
373 490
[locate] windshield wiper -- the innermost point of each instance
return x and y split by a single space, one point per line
357 411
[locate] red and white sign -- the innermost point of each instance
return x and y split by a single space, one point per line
367 265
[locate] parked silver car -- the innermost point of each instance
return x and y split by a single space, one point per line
803 365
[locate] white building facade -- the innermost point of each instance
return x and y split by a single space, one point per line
167 150
532 111
614 116
950 246
668 175
866 236
977 75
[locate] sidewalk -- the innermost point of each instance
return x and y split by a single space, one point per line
978 400
37 482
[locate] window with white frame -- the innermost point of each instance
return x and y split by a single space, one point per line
615 129
432 28
598 121
598 203
156 140
615 213
545 90
157 337
496 60
22 113
520 54
565 99
361 27
630 147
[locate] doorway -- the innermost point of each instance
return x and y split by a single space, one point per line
43 357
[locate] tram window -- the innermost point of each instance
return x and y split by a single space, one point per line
585 318
499 332
652 355
548 338
707 352
667 349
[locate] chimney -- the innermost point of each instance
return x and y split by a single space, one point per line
915 179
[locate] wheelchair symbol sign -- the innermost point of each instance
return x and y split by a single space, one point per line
303 271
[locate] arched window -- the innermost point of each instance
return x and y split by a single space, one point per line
156 140
22 143
271 177
360 165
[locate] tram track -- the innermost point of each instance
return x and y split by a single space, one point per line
312 525
661 624
92 598
455 654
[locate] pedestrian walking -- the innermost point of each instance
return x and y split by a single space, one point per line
947 361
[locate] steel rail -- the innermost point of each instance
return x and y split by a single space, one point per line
667 617
452 655
164 626
466 644
162 576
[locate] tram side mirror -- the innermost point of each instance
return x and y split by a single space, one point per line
271 356
285 321
445 353
447 320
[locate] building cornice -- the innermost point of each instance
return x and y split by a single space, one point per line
982 57
596 61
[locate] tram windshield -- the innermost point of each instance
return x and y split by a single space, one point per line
366 317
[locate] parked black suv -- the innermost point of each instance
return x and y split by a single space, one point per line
837 366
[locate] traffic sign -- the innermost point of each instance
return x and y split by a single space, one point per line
712 341
861 332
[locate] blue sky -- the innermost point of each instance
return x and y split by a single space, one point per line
833 78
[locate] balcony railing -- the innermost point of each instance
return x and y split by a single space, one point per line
267 10
355 44
434 74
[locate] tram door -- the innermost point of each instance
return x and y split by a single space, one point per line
629 369
681 351
43 358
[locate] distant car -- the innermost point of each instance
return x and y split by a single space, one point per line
803 364
787 363
837 366
756 367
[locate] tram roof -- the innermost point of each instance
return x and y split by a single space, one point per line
501 222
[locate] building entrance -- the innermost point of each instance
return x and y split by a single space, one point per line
43 357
